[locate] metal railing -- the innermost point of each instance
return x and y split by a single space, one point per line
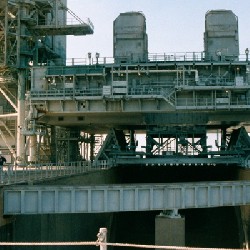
53 93
87 61
12 174
160 57
212 103
140 90
165 92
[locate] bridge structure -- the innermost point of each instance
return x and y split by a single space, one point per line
124 198
134 110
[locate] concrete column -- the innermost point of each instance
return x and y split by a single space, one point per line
169 229
32 148
22 63
244 174
20 148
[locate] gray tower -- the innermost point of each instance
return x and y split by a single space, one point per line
221 40
130 38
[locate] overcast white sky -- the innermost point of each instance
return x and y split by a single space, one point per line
172 25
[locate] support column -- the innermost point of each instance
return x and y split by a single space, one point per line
170 229
53 145
132 140
22 64
74 150
92 146
32 149
244 174
20 148
245 220
223 138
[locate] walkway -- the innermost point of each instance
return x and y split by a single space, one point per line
32 173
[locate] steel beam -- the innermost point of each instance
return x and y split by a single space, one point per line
122 198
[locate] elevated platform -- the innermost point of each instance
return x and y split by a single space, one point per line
53 30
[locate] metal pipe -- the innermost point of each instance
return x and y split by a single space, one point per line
32 148
9 115
160 71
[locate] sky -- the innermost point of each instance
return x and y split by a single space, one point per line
172 25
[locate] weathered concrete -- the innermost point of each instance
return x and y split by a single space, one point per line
244 174
169 231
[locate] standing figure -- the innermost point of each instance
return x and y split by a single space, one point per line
2 161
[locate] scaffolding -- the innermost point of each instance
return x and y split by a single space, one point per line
32 32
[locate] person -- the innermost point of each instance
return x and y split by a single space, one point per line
219 54
2 161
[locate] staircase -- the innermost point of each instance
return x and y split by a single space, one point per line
169 95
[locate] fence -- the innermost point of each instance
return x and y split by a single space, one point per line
12 174
156 57
102 243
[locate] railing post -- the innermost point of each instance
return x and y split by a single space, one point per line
102 238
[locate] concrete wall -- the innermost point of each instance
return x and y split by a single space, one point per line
244 174
169 231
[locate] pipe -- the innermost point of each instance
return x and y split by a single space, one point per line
159 71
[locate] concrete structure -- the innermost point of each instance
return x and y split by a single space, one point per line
169 230
221 39
130 38
192 109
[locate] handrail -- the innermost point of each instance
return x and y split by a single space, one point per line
212 103
158 57
95 92
164 92
14 173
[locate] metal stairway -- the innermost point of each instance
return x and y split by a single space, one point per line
169 96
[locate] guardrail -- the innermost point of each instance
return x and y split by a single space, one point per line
145 92
212 103
53 93
12 174
158 57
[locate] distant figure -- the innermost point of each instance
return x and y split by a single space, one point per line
219 55
2 161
